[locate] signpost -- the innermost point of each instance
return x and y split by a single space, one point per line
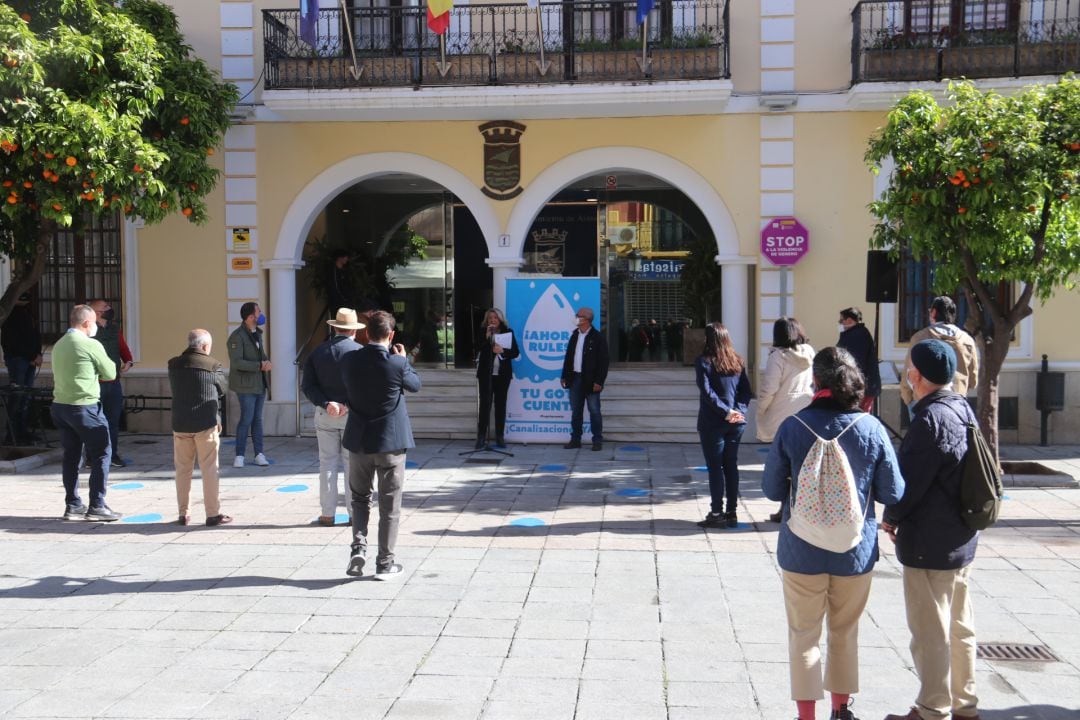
784 242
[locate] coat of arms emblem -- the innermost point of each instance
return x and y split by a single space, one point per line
502 159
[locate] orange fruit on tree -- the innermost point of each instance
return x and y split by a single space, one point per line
164 205
49 155
209 151
27 184
12 199
71 161
57 207
138 168
8 183
184 120
186 211
961 210
25 17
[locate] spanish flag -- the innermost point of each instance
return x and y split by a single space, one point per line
438 15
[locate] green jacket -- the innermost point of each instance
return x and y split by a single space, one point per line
245 354
78 363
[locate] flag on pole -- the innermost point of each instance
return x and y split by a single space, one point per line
438 15
644 7
533 3
309 21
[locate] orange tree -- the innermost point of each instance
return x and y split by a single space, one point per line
986 189
102 108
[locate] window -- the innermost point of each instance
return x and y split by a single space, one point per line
913 303
84 264
948 18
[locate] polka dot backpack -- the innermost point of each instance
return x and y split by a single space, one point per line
826 511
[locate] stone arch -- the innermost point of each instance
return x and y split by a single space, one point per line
324 187
582 164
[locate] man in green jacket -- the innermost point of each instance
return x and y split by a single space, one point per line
248 365
79 364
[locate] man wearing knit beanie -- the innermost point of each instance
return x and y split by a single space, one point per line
933 543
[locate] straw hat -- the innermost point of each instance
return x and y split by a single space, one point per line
346 320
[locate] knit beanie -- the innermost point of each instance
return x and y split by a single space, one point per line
934 360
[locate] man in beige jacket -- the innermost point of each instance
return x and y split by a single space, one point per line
942 327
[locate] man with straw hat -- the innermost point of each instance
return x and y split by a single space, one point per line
325 388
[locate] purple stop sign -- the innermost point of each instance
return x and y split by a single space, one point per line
784 241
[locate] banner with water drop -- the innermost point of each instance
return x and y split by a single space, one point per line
541 311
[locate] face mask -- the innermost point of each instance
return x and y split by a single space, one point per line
261 320
841 328
109 314
93 329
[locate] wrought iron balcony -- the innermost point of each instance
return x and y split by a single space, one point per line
558 42
908 40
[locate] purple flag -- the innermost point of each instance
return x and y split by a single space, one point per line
309 18
644 7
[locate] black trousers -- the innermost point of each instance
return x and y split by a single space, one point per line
491 388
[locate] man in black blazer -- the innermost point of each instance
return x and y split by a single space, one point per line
377 434
585 369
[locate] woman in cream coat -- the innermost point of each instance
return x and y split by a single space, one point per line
787 384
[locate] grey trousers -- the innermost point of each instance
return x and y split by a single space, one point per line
390 468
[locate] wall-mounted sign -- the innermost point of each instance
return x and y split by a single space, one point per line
242 264
502 159
241 239
612 182
656 270
784 241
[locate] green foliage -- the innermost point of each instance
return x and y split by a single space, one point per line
701 279
367 267
102 107
986 187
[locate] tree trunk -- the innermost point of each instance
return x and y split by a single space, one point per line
993 351
25 272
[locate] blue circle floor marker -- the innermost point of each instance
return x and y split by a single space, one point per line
228 441
341 519
700 468
632 448
527 522
146 518
292 488
632 492
127 486
411 464
552 468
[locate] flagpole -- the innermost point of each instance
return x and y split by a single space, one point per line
644 45
540 29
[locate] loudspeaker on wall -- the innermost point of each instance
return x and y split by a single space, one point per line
882 277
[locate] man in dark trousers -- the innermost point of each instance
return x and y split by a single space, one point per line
933 543
585 369
111 336
857 340
21 343
377 434
324 386
198 384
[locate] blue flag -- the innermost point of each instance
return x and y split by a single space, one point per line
309 18
644 7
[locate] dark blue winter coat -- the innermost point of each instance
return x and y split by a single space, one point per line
931 533
720 394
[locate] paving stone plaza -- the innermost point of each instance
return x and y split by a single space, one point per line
553 585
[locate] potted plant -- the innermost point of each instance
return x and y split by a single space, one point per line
700 280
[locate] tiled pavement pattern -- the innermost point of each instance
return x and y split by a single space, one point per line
616 606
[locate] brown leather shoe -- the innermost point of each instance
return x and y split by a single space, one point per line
218 520
912 715
326 520
184 520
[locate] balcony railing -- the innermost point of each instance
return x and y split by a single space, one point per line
590 41
906 40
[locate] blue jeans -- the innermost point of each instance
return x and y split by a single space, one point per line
20 372
720 444
251 411
112 403
579 396
83 425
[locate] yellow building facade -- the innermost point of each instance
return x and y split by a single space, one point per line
750 111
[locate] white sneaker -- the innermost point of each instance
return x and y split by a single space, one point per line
260 459
239 461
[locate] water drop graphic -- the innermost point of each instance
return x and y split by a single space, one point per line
548 330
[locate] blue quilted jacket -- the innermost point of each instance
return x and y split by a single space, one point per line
877 476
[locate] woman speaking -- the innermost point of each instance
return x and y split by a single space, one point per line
497 348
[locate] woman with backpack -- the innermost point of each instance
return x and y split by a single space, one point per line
725 394
828 542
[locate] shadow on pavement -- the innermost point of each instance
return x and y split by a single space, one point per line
1031 712
60 585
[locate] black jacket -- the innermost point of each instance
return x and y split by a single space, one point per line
594 360
198 383
322 381
19 336
860 343
931 534
376 382
485 356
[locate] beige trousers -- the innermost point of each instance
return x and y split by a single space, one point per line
186 447
810 600
942 624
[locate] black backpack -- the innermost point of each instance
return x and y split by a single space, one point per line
981 490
